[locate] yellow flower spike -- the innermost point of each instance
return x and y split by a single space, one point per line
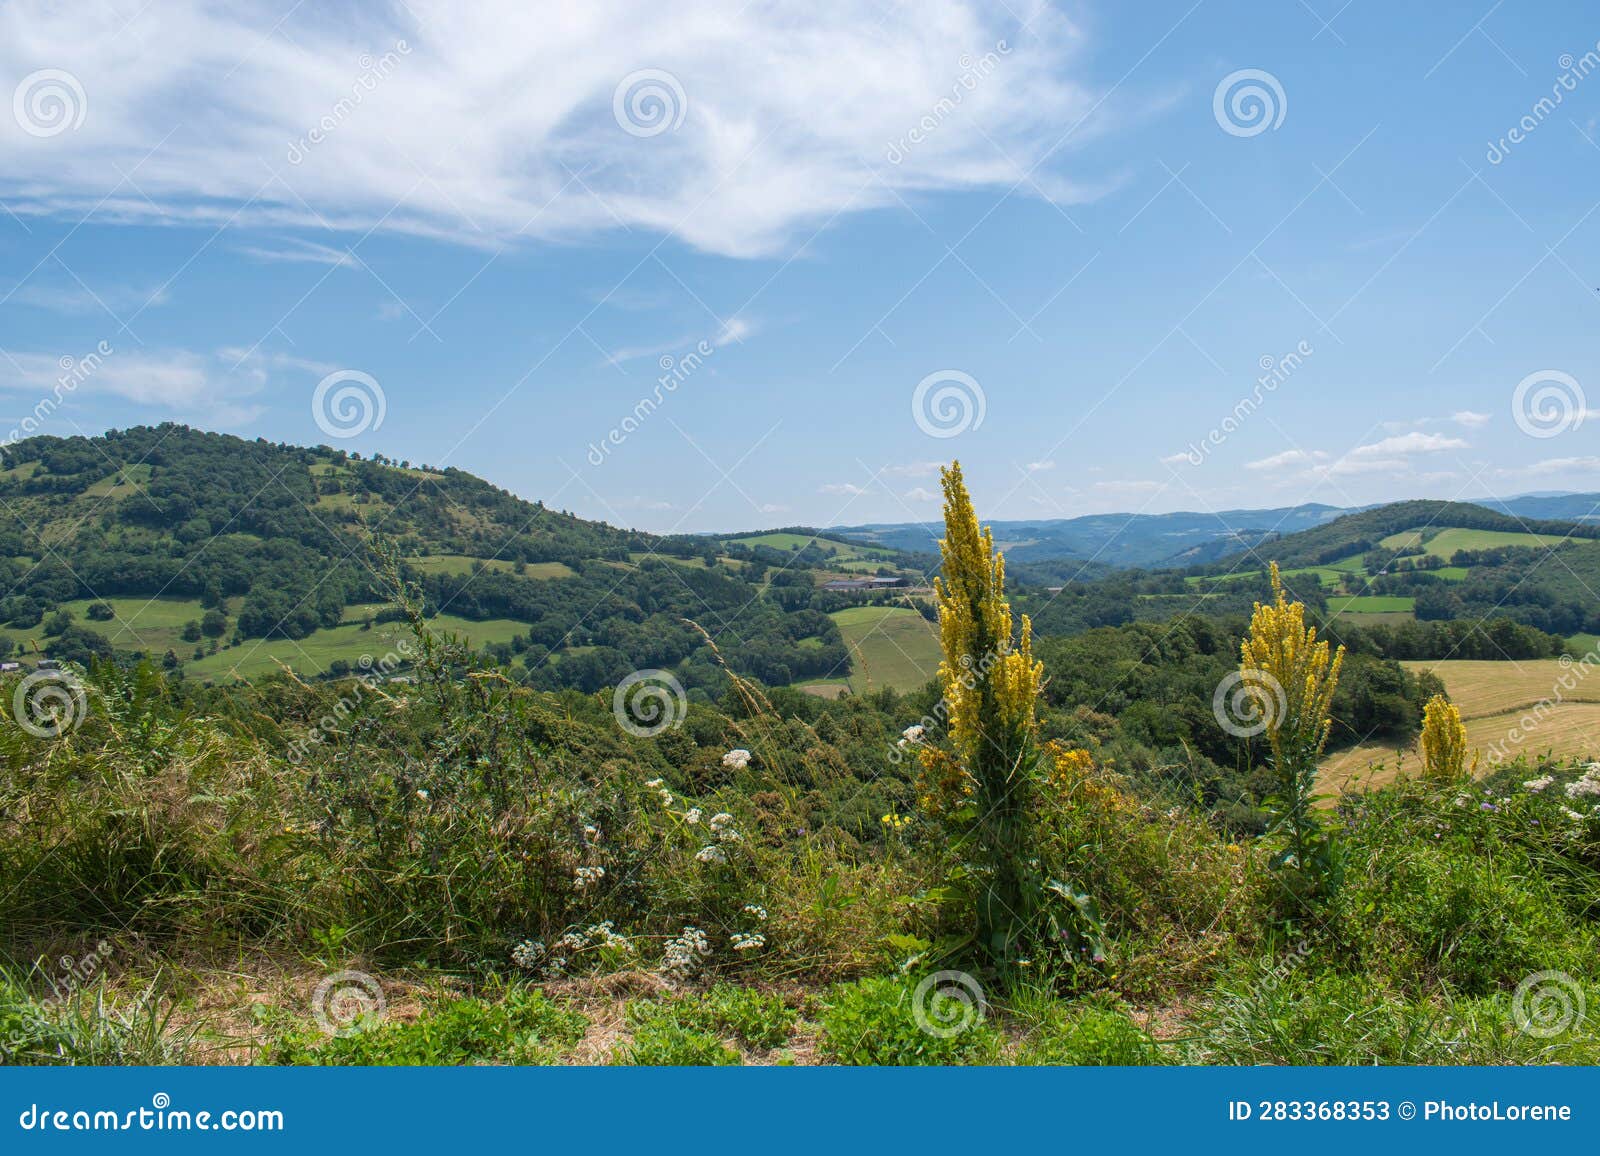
1444 740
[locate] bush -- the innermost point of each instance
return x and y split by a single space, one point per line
874 1022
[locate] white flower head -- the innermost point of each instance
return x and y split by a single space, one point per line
738 758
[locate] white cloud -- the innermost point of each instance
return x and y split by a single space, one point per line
1411 443
78 297
1286 458
1130 487
846 488
1175 459
914 470
488 122
181 383
922 494
1558 466
1038 467
732 332
1469 419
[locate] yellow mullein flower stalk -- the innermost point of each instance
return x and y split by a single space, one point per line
1444 739
991 683
1292 676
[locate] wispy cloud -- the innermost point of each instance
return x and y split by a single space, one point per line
78 298
781 129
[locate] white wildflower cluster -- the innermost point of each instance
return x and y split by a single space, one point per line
1588 785
528 953
757 910
683 956
585 877
738 759
692 816
551 962
723 830
666 796
753 941
1538 785
911 735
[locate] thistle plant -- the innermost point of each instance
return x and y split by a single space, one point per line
1444 740
1294 676
991 684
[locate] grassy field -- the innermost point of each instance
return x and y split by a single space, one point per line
1446 542
846 551
1495 698
1371 604
463 563
890 646
149 624
313 654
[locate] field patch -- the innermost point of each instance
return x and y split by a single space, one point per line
1372 604
890 646
1496 700
463 564
313 654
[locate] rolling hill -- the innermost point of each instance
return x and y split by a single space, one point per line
225 557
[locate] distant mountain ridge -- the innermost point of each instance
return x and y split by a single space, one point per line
1158 541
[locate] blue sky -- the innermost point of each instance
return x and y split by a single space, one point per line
489 228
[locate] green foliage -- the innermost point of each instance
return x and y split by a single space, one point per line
874 1022
726 1010
522 1026
1094 1033
89 1026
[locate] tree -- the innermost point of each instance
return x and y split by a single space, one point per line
214 624
101 612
